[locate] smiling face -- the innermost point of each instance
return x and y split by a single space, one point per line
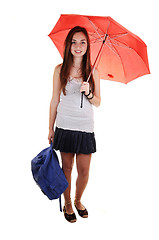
79 44
77 53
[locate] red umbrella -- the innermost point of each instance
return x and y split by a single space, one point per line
123 54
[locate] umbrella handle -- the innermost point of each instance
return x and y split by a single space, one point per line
106 35
82 93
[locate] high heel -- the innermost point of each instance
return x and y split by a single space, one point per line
82 213
69 217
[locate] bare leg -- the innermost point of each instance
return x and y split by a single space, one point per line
67 164
83 165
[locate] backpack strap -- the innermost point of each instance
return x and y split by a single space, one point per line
60 204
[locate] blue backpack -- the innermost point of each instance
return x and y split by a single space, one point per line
48 174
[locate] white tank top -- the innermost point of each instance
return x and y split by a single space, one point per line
69 113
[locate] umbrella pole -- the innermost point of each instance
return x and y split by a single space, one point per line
82 93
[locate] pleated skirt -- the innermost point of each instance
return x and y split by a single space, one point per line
71 141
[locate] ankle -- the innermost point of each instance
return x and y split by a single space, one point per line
78 204
77 200
68 202
68 207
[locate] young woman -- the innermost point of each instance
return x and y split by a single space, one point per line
74 132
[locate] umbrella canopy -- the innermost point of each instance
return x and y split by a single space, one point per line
123 56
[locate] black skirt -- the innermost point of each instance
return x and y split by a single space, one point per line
70 141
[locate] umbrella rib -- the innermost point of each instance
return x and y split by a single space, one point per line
95 28
119 35
67 29
118 55
101 37
112 46
96 39
112 49
116 43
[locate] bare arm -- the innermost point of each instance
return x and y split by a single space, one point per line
54 101
96 100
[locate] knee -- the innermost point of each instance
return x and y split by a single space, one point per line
83 173
67 169
67 162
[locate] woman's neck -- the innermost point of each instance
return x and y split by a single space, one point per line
76 69
77 62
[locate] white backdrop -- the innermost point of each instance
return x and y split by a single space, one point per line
123 191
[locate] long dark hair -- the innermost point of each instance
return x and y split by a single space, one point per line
68 59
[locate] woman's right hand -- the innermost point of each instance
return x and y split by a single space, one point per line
51 136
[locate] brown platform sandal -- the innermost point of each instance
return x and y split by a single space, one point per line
69 217
82 213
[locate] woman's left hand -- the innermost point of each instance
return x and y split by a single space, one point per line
85 88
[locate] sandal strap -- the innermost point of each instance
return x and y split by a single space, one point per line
69 217
68 202
82 213
77 200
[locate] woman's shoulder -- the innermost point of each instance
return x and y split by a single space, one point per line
58 68
96 73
